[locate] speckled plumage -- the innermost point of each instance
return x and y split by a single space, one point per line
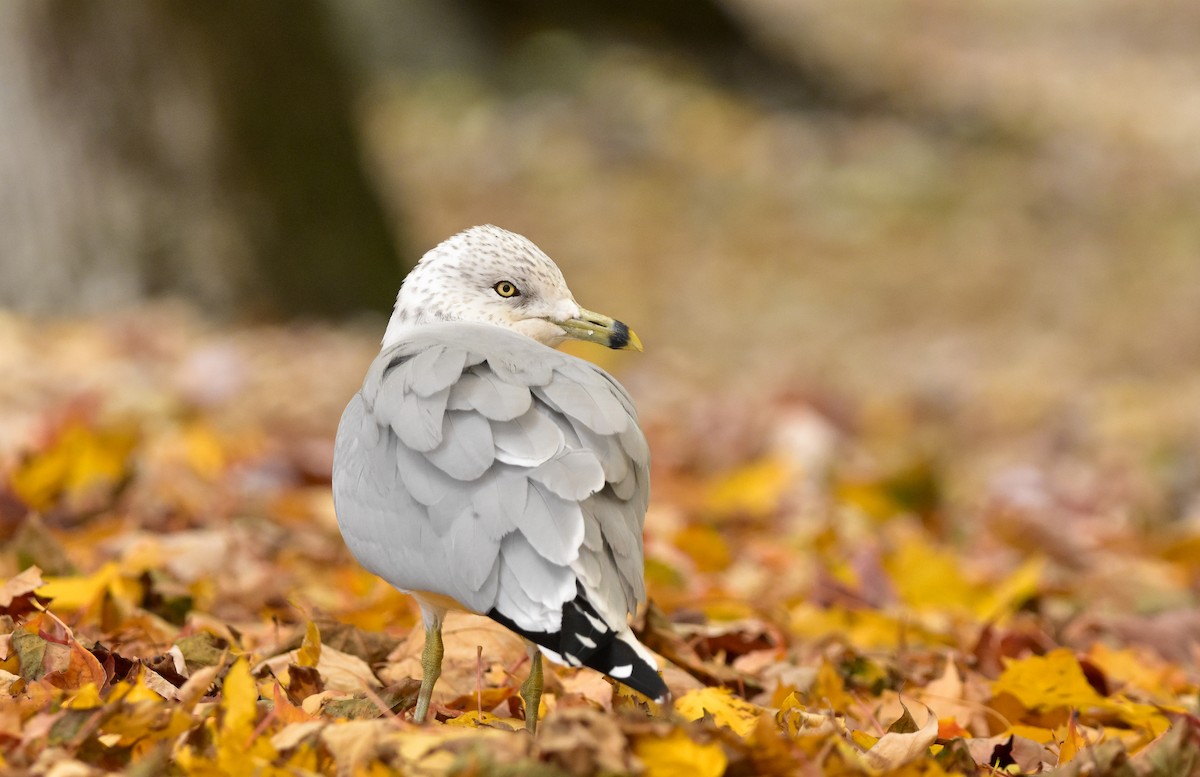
454 282
480 467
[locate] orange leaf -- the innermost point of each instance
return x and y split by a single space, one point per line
286 711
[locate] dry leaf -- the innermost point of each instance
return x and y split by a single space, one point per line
1043 682
25 583
897 748
725 709
677 755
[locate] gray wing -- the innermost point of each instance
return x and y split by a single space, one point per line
478 464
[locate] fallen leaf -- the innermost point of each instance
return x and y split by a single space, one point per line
583 741
238 750
80 461
754 491
309 653
905 742
677 755
1005 750
354 745
476 719
725 709
22 584
1053 680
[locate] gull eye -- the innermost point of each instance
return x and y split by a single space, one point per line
506 289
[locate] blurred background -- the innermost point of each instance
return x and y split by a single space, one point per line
928 199
903 270
919 285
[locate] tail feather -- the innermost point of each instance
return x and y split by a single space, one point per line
586 640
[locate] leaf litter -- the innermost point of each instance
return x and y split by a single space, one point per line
878 594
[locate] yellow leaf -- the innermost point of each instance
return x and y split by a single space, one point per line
1149 719
1038 734
929 577
1008 594
828 691
705 546
203 450
795 719
310 649
677 755
239 751
1045 682
754 491
83 591
870 497
140 692
77 592
86 698
475 719
1072 742
726 709
239 699
80 459
1140 668
865 628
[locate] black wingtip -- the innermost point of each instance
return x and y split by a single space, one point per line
585 640
643 678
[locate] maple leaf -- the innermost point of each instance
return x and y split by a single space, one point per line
1053 680
722 706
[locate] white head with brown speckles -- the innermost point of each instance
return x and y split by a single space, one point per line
488 275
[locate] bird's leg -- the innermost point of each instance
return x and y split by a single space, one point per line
431 659
531 689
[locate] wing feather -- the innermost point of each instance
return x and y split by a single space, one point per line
467 449
533 589
552 525
436 369
479 464
573 474
417 420
589 402
529 440
483 391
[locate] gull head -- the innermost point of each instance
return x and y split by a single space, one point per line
488 275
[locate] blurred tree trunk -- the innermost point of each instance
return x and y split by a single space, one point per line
205 150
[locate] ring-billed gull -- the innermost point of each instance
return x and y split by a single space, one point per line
480 469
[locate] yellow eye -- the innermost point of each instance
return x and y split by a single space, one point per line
506 289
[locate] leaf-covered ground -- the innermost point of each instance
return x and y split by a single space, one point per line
839 584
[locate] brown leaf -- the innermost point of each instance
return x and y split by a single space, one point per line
461 633
396 699
303 681
371 646
201 650
582 741
904 745
22 585
1005 750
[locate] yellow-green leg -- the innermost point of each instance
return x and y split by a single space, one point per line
431 660
531 689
